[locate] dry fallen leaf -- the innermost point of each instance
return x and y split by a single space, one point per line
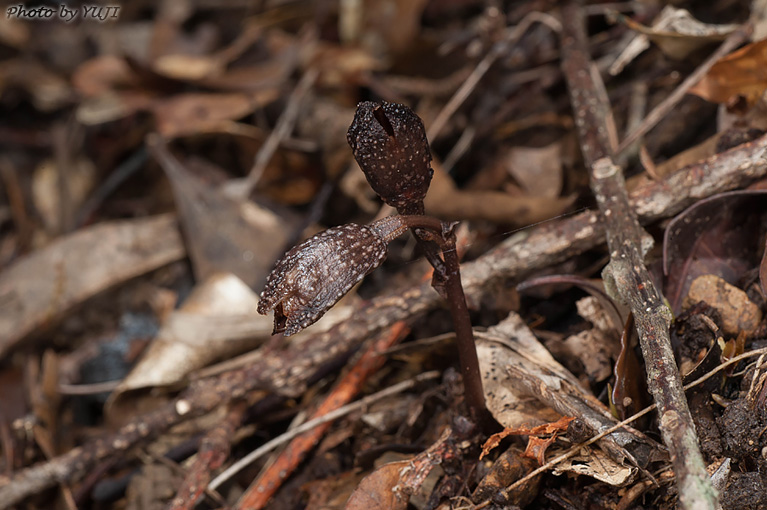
544 429
194 113
595 347
222 234
536 448
596 464
676 33
446 201
102 74
382 26
376 491
46 189
509 467
218 320
39 288
742 73
738 312
509 406
187 67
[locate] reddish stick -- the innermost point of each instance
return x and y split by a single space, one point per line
264 487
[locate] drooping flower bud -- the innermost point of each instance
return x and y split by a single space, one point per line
389 143
310 278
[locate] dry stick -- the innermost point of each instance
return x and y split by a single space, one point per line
309 425
270 480
285 371
484 65
214 450
734 40
626 272
281 130
574 450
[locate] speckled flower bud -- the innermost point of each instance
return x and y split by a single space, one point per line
313 276
389 143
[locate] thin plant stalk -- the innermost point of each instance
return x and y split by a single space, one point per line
453 290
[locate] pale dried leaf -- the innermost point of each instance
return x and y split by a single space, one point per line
446 201
513 344
509 406
39 288
677 33
187 67
596 464
195 113
217 321
111 106
738 312
102 74
46 189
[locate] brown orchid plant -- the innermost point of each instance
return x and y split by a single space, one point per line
389 143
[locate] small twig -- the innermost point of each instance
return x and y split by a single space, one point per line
500 48
214 450
309 425
281 131
88 389
734 40
109 185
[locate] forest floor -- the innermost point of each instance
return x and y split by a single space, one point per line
605 165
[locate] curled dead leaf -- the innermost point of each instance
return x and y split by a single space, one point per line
742 73
376 491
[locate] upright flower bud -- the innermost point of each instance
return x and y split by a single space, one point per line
310 278
389 143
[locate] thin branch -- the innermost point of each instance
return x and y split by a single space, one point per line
484 65
574 450
280 132
309 425
626 273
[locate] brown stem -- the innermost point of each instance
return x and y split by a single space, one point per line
433 229
430 249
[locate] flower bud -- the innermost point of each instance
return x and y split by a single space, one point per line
389 143
313 276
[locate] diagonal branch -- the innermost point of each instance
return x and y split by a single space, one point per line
626 273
